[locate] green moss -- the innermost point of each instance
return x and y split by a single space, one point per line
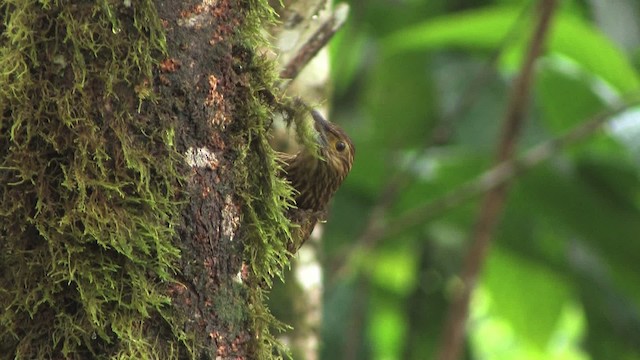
230 307
267 229
267 197
87 189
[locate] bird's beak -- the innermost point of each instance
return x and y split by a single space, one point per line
322 126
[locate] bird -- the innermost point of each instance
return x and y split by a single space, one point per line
316 175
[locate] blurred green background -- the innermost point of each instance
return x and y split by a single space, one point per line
422 87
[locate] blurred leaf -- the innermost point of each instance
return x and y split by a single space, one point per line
626 129
618 20
520 288
341 300
438 172
588 195
566 99
487 28
616 180
477 29
387 330
370 169
596 204
472 98
423 307
494 338
586 45
567 340
346 57
345 223
399 98
588 212
394 269
613 320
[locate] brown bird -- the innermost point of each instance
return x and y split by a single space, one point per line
317 178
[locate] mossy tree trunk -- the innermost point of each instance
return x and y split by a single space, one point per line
139 202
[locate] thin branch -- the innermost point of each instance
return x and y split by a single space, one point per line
493 204
501 173
316 42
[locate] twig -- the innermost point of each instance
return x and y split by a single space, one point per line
316 42
493 204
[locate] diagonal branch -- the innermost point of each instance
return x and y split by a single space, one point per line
496 176
502 172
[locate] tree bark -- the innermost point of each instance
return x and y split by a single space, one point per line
140 208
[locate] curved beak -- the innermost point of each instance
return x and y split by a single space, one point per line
321 125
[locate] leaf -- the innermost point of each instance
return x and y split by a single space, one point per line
589 213
400 99
395 269
487 28
566 99
520 288
346 58
478 29
387 330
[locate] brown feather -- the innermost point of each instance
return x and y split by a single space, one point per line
317 178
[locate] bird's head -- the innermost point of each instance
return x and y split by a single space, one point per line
316 177
336 147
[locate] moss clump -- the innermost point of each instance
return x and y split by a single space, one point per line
87 189
267 229
266 196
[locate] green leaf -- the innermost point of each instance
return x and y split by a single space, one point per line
346 57
478 29
520 288
566 99
370 169
395 269
487 28
586 45
591 213
387 329
400 99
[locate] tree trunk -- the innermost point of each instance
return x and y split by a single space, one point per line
139 203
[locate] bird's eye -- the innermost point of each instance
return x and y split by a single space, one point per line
340 146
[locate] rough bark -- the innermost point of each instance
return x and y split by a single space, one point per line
139 203
212 92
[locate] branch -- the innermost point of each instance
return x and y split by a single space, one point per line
316 42
493 204
485 182
501 173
